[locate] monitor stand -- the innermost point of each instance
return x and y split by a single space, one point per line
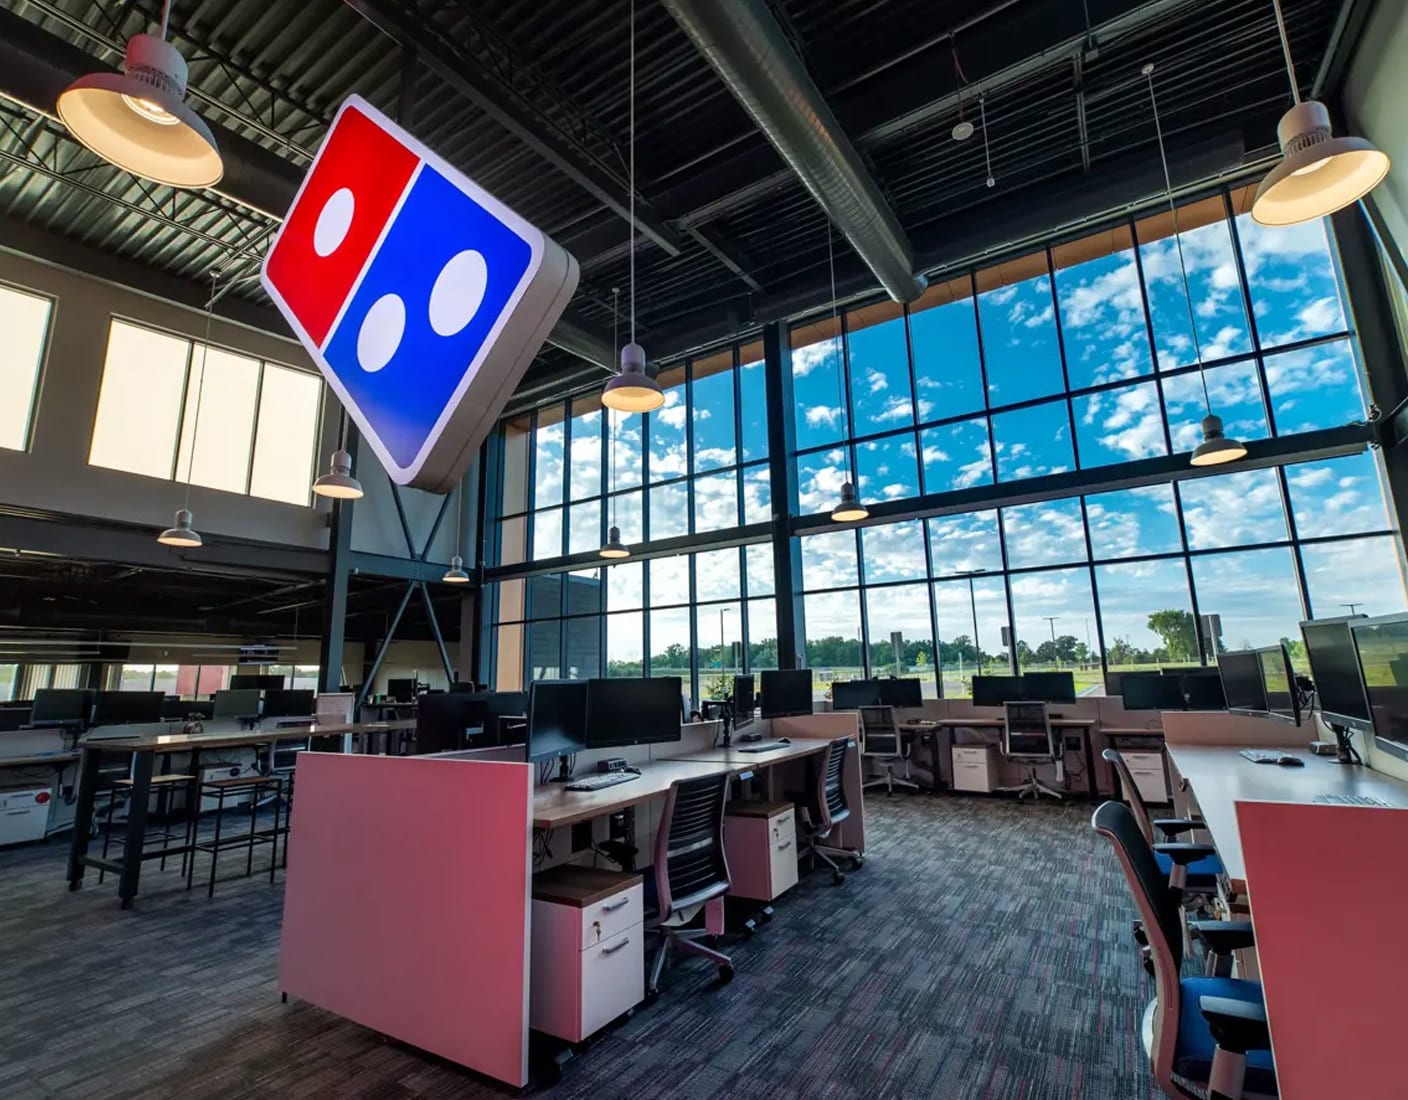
726 717
1345 752
564 771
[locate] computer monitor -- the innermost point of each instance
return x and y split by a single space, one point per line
1334 667
242 681
1241 681
786 692
237 703
500 707
61 706
114 708
854 694
1382 648
557 718
401 690
996 691
900 692
1282 695
1050 687
442 721
290 704
1151 691
623 712
1202 687
745 701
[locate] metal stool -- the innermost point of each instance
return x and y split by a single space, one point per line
254 786
161 786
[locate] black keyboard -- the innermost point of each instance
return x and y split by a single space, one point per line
763 746
601 781
1350 800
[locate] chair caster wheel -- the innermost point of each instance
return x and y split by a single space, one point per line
837 878
857 862
747 932
725 974
651 996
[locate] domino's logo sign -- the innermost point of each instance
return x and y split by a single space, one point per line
421 297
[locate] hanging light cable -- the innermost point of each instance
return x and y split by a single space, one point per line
613 547
1215 448
987 149
138 119
849 508
456 574
338 483
1319 173
182 534
633 390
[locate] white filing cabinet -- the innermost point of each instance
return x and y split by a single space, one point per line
1147 768
24 814
588 961
760 840
975 768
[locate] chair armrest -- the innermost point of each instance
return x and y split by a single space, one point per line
1174 827
1184 854
1236 1026
1223 936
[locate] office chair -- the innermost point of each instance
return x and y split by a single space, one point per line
1027 737
880 740
823 806
1205 1036
690 869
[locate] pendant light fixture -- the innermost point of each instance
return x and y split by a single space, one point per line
633 390
338 483
182 534
613 547
1215 448
456 573
849 508
1319 173
138 119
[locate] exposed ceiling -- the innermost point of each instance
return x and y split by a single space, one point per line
530 100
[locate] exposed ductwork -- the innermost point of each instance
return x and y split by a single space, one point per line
35 66
745 45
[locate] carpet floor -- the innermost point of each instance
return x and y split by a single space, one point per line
982 953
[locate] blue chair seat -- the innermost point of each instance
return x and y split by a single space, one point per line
1201 872
1192 1057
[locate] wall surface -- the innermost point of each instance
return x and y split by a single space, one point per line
1375 91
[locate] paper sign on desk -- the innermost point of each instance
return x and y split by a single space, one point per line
1333 976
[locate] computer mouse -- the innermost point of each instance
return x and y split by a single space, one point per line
1291 762
784 740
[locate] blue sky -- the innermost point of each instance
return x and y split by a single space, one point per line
1096 309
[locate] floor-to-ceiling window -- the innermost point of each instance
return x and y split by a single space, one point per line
1075 360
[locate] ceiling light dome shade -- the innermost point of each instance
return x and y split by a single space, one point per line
338 483
633 390
456 574
182 534
1319 173
614 547
850 508
138 120
1216 448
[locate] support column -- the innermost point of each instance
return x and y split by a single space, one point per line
786 553
334 626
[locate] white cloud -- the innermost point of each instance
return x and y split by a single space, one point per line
817 415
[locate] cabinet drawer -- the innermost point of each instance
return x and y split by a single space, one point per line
972 754
602 920
613 978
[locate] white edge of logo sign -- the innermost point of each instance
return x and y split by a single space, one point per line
535 238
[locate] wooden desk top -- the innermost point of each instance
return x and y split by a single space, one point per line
179 742
998 723
1220 777
57 759
554 806
737 761
1131 731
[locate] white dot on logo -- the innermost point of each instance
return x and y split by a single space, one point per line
458 292
334 220
381 332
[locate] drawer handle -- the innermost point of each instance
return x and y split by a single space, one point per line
611 907
784 847
615 947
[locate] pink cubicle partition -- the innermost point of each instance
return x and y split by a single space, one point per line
1327 894
407 903
829 725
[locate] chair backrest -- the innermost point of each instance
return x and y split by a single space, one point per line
1131 794
690 866
880 733
1027 733
830 789
1158 908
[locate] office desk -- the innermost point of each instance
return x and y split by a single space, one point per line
739 762
55 759
143 750
1219 777
1084 725
554 806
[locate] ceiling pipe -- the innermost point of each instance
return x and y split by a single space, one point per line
35 66
747 48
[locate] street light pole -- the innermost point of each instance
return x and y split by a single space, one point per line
1051 621
973 606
